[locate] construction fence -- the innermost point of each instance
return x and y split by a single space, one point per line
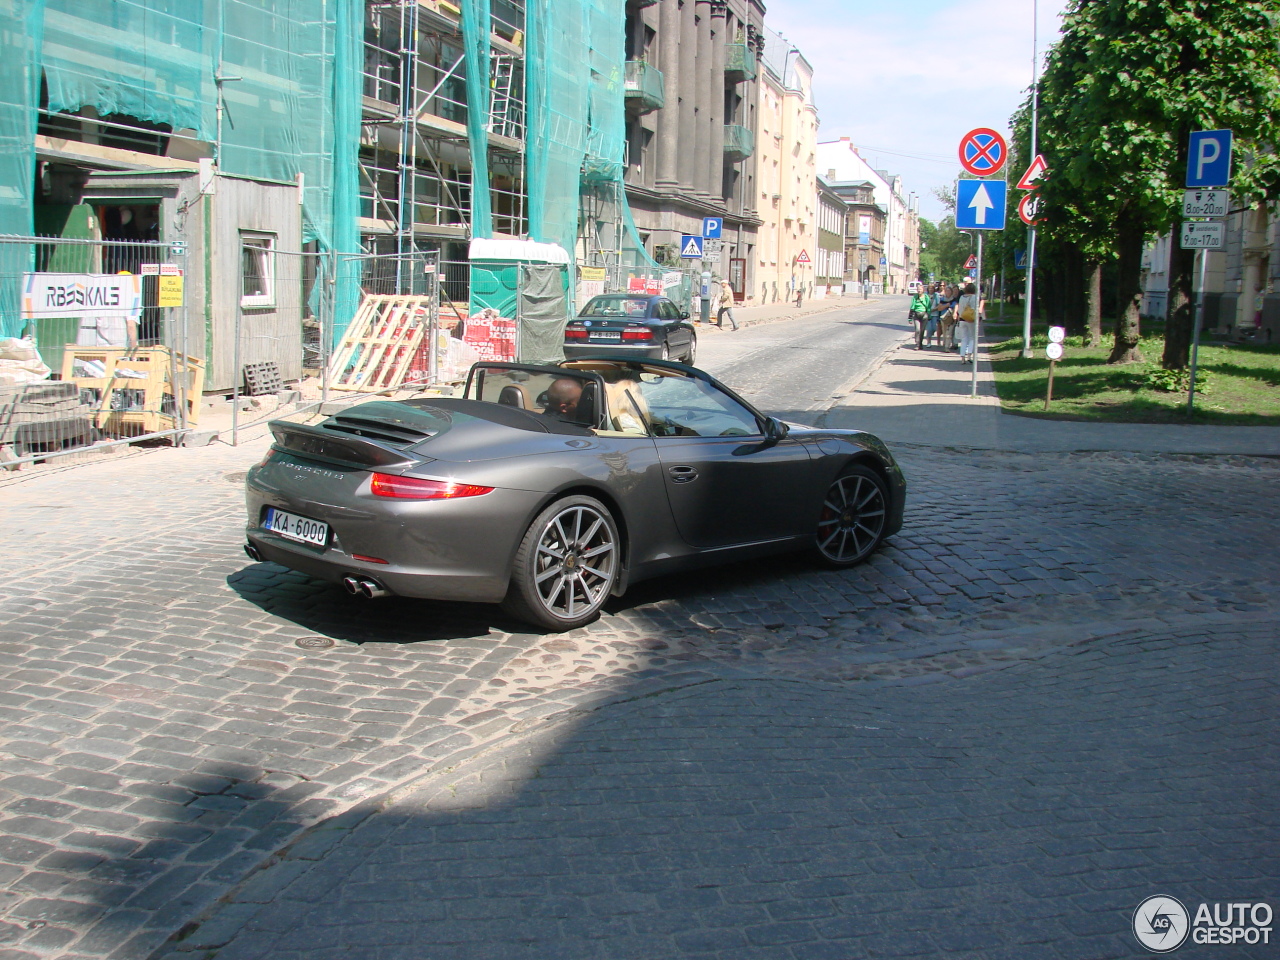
118 341
107 352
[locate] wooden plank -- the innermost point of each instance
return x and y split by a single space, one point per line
380 343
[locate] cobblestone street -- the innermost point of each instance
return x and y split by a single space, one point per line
1051 695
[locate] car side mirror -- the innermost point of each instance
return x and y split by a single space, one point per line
775 431
684 314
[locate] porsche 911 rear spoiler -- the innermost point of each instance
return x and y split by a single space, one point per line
352 452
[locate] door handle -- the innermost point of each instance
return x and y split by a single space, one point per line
682 474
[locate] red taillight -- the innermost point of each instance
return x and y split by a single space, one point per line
637 333
413 488
576 333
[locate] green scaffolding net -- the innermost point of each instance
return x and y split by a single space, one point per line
577 131
274 87
19 87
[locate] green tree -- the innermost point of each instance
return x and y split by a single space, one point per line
1123 88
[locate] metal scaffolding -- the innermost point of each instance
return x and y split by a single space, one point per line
416 170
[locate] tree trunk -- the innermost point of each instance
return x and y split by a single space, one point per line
1129 239
1073 291
1180 316
1093 324
1179 327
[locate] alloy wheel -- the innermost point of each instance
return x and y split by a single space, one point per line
853 518
574 562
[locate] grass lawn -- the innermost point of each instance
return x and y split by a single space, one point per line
1237 384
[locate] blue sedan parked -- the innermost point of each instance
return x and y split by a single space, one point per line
632 324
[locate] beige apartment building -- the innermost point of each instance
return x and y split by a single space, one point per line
786 173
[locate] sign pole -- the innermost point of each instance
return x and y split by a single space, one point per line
977 320
1049 394
1195 340
1031 233
1029 291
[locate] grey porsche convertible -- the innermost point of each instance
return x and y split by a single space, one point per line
550 488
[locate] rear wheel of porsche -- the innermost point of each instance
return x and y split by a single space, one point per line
853 518
566 566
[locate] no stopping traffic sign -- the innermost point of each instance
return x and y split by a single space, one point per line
983 152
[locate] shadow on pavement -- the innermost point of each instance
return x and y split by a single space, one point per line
1025 814
330 611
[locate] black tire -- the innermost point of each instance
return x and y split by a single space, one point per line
666 351
692 353
551 584
853 517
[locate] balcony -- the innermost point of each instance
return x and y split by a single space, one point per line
739 63
739 142
643 87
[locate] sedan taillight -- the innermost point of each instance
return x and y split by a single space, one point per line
573 332
637 333
414 488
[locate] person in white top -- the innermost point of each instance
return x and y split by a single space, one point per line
967 320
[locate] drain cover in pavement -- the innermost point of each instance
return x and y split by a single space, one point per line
313 643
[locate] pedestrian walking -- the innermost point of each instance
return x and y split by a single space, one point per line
726 305
967 310
919 315
933 328
947 316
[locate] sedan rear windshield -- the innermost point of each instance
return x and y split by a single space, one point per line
616 307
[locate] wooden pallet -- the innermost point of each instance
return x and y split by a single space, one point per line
379 346
133 391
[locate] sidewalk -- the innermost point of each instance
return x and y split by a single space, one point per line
923 397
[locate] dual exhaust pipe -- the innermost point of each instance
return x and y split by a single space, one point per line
364 587
356 586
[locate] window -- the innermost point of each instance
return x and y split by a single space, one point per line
680 406
258 270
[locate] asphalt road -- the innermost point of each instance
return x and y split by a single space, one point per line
798 368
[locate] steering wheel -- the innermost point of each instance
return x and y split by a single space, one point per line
695 415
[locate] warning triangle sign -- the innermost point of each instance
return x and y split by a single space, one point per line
692 249
804 257
1034 173
971 263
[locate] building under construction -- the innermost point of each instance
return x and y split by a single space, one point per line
290 157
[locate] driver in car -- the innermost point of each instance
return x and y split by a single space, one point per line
562 398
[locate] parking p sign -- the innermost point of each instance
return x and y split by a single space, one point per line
1209 159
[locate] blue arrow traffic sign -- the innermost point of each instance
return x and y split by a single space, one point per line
980 204
690 247
711 227
1209 159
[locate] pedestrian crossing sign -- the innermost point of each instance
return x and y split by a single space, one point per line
690 247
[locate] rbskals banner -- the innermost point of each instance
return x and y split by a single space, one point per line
81 295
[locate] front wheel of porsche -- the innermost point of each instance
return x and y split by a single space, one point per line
853 518
566 565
